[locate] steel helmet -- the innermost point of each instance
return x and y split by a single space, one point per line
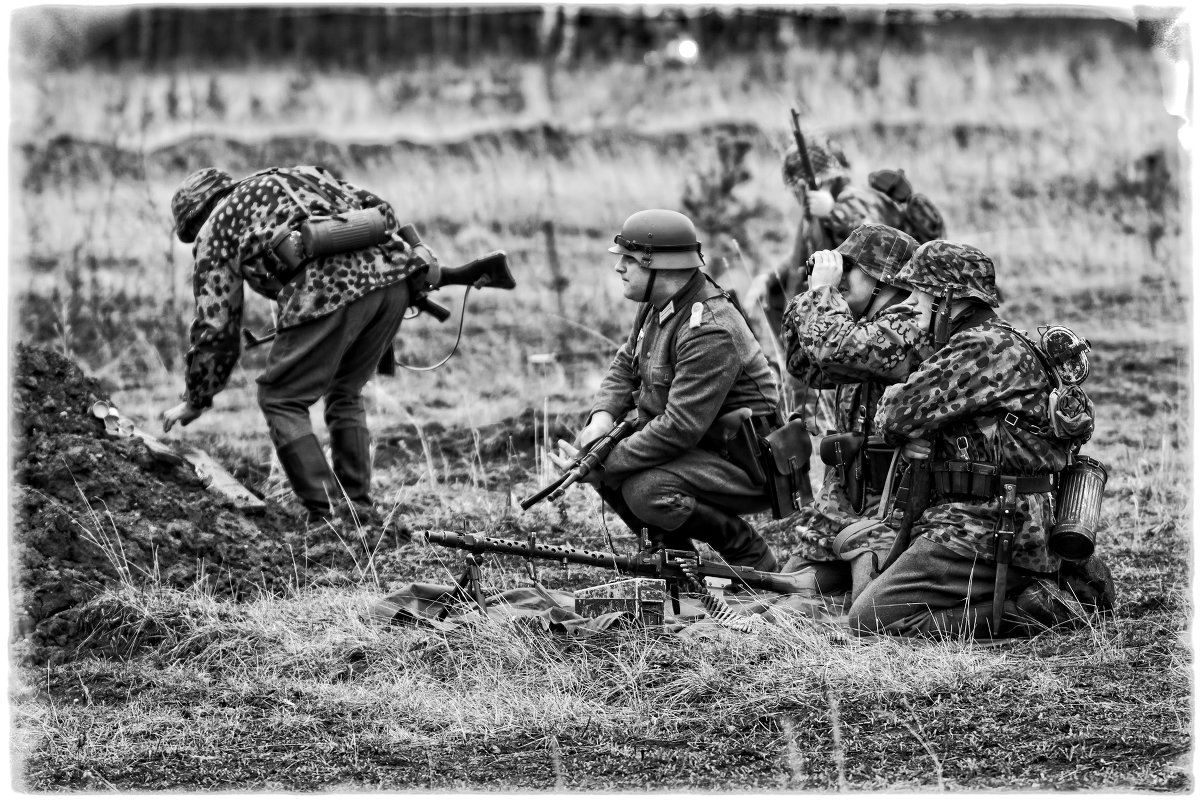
193 197
661 239
827 159
940 265
880 251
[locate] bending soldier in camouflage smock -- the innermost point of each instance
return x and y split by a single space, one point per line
978 409
849 332
689 359
335 317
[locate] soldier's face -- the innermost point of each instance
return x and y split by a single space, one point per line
634 278
856 287
922 305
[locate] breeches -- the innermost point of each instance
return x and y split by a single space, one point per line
332 357
664 496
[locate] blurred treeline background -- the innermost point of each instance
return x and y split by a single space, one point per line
537 129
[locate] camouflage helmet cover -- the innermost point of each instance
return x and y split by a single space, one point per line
661 239
828 162
193 195
880 251
940 265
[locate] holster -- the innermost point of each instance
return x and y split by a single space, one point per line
733 438
845 453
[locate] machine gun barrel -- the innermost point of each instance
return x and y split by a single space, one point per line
678 566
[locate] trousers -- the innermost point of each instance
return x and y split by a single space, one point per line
331 357
932 591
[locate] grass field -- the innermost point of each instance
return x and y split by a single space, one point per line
1054 155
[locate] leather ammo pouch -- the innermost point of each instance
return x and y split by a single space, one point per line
878 461
785 453
845 453
973 478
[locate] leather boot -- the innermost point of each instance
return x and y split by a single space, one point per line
730 535
307 471
351 451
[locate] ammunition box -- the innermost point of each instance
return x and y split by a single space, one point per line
643 599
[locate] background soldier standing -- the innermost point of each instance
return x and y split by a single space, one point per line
977 408
335 317
849 332
690 358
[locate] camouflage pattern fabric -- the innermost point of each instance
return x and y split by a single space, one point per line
859 204
196 191
826 347
941 265
959 399
232 250
682 377
880 251
827 159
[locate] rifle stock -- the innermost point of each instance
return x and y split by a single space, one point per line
677 566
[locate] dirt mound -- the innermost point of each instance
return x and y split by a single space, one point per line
91 510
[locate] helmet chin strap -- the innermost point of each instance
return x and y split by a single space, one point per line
650 282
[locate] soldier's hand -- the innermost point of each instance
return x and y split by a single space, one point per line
819 203
827 269
917 449
184 413
599 425
563 459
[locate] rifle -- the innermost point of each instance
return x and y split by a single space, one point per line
674 566
584 463
810 178
488 270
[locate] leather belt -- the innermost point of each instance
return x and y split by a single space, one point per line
977 479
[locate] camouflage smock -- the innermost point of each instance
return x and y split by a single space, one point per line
853 206
231 251
691 361
827 347
964 393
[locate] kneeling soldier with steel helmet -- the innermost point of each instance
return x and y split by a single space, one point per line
980 413
689 360
851 332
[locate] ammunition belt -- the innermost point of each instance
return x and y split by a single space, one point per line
978 479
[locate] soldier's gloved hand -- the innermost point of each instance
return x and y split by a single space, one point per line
819 203
917 449
183 413
827 269
601 423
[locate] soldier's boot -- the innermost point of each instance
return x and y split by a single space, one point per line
309 474
1042 605
351 451
1091 583
1039 607
730 535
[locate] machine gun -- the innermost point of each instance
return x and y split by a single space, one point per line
583 465
676 567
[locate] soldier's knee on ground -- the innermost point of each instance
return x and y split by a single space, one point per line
651 502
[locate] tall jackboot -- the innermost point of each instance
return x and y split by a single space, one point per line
730 535
351 451
310 476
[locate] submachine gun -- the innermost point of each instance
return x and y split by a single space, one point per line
584 463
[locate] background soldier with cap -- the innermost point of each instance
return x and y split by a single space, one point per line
978 408
689 359
335 317
850 332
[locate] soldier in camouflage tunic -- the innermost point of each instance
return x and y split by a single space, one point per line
980 401
335 317
850 332
689 359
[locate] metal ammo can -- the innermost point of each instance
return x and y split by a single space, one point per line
1080 490
352 230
